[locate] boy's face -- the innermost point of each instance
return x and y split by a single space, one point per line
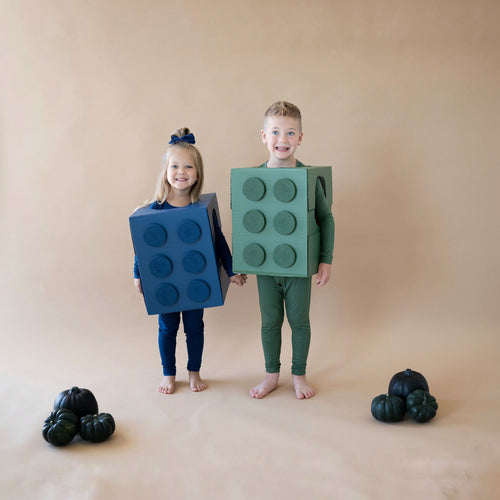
281 135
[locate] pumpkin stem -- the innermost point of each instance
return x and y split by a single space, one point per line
408 372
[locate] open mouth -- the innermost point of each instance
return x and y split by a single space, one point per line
282 149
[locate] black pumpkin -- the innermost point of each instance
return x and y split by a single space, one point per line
60 427
404 383
421 406
97 428
388 408
80 401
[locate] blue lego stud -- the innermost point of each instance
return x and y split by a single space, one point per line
176 256
274 226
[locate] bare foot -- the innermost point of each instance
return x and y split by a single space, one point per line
168 385
302 389
196 383
268 385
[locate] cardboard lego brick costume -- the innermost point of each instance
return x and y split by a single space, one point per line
273 214
176 257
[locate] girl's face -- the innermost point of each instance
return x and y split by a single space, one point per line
181 170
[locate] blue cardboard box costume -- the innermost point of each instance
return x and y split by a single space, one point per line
176 256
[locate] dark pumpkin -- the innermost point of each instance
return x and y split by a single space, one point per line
388 408
60 427
421 406
80 401
97 428
404 383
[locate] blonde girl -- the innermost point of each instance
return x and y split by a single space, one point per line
179 184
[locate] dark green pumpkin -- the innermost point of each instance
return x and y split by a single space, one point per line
421 406
60 427
388 408
97 428
404 383
80 401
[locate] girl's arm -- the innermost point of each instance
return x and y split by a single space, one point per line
224 255
137 276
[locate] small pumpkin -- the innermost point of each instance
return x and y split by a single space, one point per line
404 383
386 408
97 428
60 427
80 401
421 406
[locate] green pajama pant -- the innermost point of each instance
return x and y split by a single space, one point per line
295 295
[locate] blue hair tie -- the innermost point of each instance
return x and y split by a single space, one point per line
189 138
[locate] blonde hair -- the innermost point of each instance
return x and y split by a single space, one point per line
283 108
163 187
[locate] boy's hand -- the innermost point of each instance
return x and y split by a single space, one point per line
323 276
238 279
138 286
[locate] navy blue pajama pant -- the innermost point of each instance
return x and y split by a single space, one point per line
167 339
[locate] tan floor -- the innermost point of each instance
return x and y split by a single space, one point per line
223 444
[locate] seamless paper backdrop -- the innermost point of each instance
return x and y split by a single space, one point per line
401 98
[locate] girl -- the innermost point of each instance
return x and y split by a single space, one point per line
179 184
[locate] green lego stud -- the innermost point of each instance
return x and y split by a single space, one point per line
284 256
284 222
254 189
254 255
254 221
284 190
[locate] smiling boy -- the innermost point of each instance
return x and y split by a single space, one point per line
282 134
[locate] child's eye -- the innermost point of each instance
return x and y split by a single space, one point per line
274 132
291 133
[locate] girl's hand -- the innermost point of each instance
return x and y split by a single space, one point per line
138 286
238 279
323 276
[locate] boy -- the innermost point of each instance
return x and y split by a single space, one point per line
282 134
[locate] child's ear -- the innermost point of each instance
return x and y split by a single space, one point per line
263 134
300 138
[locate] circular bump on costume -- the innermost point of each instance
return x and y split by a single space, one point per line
284 222
254 189
194 262
198 291
254 255
167 294
189 231
155 235
284 256
285 190
160 266
254 221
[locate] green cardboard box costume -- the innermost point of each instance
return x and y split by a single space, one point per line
282 229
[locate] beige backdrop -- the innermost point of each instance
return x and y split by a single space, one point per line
402 98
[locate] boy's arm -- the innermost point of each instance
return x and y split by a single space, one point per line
326 225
